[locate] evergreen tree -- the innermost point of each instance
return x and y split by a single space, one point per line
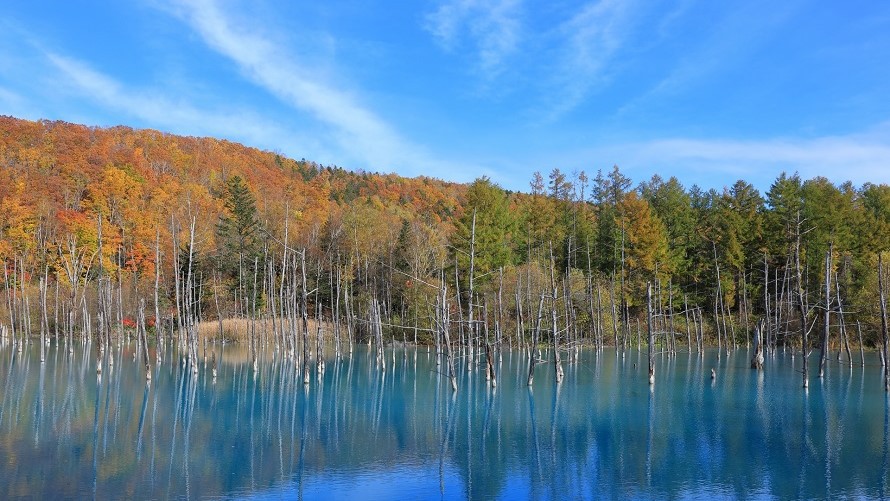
488 203
673 206
238 236
538 218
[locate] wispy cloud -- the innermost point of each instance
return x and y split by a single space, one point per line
857 158
13 104
716 162
728 42
175 115
360 133
492 27
591 40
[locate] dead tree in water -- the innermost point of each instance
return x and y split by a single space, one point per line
554 291
471 325
840 310
102 314
489 365
304 317
157 286
884 334
377 330
649 332
823 354
44 320
757 359
319 336
533 346
803 307
443 320
688 335
142 336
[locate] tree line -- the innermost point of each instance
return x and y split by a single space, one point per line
112 231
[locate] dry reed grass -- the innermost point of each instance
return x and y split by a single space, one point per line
236 330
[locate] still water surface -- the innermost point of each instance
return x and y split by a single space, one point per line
359 433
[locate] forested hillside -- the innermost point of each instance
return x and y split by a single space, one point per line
94 221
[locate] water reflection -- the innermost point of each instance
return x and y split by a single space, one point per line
359 431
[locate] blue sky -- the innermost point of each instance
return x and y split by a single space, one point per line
707 91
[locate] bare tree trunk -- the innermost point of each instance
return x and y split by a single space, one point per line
520 320
745 303
757 360
443 321
120 295
177 279
766 305
304 317
157 286
803 308
601 338
500 320
9 301
489 371
861 348
42 300
533 348
251 302
338 352
686 311
471 336
377 326
56 308
884 334
593 317
650 334
557 363
100 348
840 310
286 339
319 337
823 354
671 313
143 337
188 293
614 314
219 317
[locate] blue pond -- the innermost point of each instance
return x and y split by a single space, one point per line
360 433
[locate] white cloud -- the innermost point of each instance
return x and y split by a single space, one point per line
726 43
174 115
492 26
359 132
857 158
13 104
717 162
591 40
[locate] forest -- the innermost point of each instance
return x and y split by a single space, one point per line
115 232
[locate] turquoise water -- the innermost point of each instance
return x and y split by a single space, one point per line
359 433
